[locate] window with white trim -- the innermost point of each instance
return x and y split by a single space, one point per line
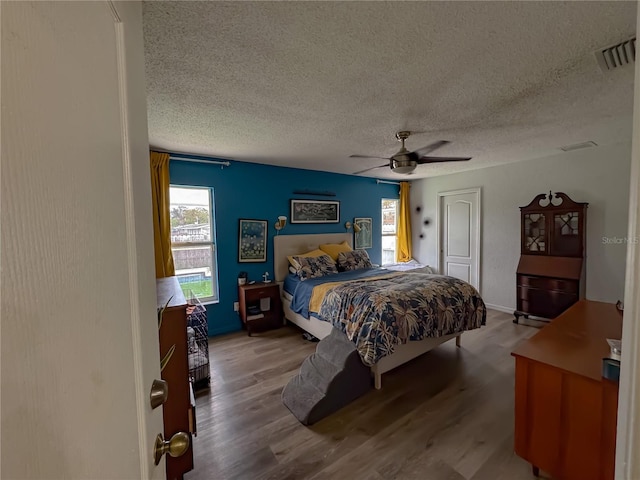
389 230
192 241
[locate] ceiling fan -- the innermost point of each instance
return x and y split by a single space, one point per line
405 162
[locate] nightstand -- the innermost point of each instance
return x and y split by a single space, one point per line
260 306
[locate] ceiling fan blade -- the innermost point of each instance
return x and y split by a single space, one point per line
421 152
372 168
441 159
367 156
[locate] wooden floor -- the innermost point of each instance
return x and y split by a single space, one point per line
445 415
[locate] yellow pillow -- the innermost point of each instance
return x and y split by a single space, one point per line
312 253
335 249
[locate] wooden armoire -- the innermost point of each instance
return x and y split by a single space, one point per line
551 272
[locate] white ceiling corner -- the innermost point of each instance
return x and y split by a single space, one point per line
306 84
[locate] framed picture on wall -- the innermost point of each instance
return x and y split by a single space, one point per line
252 241
363 238
315 211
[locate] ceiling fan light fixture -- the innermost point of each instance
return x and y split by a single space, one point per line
403 166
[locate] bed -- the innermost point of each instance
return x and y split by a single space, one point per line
383 358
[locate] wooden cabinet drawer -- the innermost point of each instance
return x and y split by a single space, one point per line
544 303
261 293
569 286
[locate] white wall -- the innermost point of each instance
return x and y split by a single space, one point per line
599 176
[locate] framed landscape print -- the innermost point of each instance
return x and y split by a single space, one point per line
252 242
315 211
363 238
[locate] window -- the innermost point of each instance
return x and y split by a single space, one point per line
389 230
192 242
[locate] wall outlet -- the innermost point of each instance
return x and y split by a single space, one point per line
236 306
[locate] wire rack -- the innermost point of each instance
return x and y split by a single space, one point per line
198 343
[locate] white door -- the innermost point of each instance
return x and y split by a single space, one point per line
79 329
460 235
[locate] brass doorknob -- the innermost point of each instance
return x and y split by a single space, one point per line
176 446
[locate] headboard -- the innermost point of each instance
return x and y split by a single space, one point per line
285 245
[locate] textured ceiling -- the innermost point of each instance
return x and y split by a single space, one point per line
306 84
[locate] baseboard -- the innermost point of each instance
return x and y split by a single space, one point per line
500 308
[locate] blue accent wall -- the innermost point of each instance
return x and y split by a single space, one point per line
262 192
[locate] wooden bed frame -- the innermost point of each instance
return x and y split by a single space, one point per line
286 245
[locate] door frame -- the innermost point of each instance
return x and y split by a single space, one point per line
146 426
628 425
439 222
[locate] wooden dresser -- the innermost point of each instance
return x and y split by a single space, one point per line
177 412
551 274
565 412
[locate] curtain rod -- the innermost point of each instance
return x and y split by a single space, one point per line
197 160
388 183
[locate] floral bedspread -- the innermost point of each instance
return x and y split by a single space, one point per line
379 314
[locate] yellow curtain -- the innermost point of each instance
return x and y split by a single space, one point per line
161 219
403 250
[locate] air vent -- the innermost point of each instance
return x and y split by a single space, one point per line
617 56
578 146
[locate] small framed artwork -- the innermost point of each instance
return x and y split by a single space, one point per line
252 241
363 238
315 211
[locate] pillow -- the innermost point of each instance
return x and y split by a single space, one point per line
312 267
312 253
334 249
354 260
